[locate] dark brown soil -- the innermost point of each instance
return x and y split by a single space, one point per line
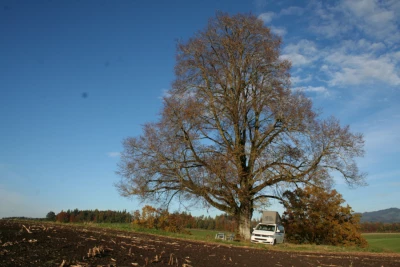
36 244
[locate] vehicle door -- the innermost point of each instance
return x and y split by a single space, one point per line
280 234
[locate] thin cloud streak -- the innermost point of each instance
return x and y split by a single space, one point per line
321 90
114 154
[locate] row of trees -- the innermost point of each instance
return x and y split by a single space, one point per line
151 217
97 216
377 227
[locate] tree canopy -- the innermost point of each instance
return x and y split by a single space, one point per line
232 133
316 215
51 216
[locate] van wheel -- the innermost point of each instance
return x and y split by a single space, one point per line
274 242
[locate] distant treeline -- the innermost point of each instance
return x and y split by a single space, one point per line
96 216
149 217
377 227
223 222
24 218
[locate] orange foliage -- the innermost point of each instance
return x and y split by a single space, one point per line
315 215
161 219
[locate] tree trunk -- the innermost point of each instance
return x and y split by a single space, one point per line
244 222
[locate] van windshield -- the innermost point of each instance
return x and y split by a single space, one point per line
264 227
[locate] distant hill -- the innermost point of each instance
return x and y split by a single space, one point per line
391 215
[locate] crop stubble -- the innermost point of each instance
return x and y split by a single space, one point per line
36 244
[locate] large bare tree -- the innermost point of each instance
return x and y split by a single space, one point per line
231 132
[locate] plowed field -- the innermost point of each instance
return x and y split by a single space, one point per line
35 244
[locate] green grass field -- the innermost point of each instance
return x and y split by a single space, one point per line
379 242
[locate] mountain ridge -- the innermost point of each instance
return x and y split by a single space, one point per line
391 215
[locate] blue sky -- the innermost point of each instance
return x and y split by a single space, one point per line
76 77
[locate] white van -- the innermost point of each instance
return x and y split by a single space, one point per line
268 234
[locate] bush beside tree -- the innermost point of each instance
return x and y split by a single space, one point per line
316 215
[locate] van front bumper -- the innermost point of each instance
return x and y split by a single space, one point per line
263 240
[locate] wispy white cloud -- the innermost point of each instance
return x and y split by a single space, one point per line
260 3
267 16
347 63
113 154
377 19
321 90
396 56
165 94
281 31
349 69
362 45
298 79
324 20
292 10
301 53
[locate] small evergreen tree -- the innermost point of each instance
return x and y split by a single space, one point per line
51 216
